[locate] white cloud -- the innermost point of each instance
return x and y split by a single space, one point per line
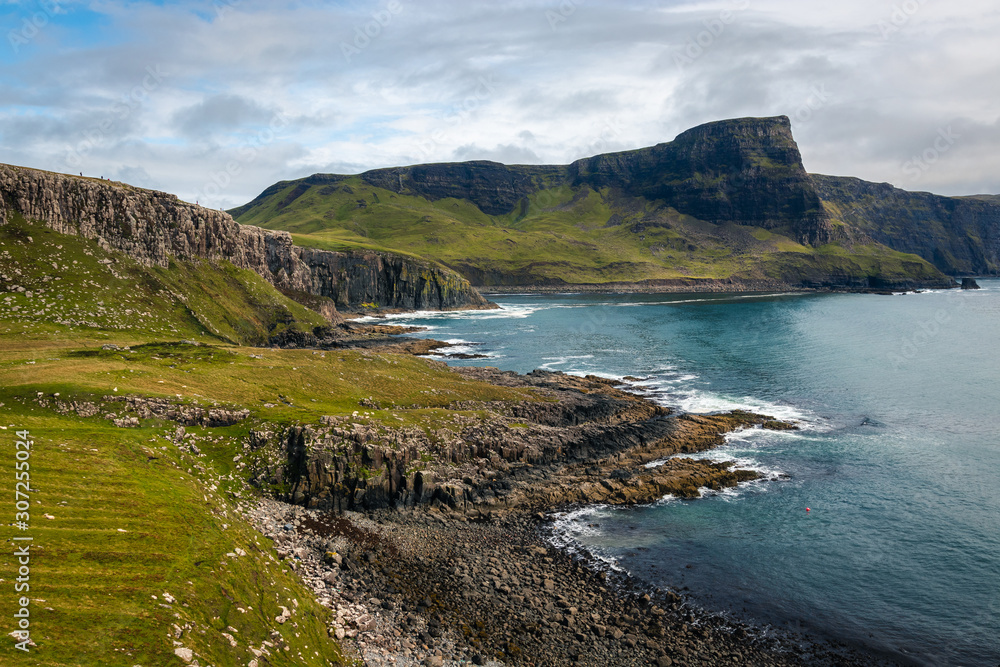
374 84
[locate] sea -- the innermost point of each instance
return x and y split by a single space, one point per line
876 524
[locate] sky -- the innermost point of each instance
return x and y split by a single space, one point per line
215 100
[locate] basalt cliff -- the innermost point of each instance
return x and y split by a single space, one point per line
570 440
958 235
154 227
724 206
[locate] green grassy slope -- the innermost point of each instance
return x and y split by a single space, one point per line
561 234
139 547
134 515
68 283
118 521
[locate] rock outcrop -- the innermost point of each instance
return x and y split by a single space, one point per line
584 441
153 227
970 283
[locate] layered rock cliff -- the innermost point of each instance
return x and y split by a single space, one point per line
495 188
585 441
746 171
152 227
959 235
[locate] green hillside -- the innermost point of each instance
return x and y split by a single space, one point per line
64 283
140 542
563 234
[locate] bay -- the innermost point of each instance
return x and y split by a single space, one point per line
897 458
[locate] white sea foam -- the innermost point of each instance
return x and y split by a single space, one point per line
562 361
508 311
678 391
741 462
601 374
569 528
588 371
462 346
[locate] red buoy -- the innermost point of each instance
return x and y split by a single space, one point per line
807 509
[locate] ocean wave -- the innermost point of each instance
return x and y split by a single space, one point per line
570 528
504 312
562 361
458 346
741 462
590 371
743 449
701 402
675 390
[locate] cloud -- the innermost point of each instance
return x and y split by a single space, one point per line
506 154
254 91
220 113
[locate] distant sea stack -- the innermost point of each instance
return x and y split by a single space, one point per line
152 227
970 283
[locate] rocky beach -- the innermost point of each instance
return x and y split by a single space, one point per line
458 566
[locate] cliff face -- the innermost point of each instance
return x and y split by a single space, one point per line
493 187
151 227
746 171
726 205
959 235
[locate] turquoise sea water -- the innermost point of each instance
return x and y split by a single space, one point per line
898 457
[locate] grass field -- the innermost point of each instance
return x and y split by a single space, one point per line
138 545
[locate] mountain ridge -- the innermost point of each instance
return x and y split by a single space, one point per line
727 203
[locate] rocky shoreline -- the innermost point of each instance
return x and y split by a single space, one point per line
434 588
457 566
